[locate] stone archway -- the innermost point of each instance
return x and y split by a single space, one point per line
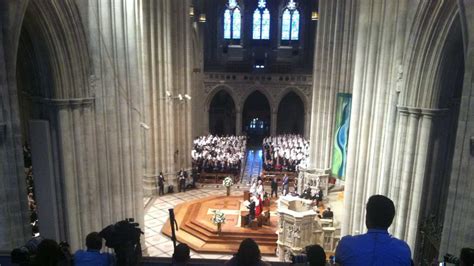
291 115
256 117
222 114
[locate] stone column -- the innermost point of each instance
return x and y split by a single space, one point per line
168 71
238 122
273 123
14 217
332 72
378 56
406 173
423 149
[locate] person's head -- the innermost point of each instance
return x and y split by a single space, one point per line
48 253
329 209
467 257
181 254
316 255
94 241
249 253
380 212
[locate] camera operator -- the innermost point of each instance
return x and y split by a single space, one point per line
93 256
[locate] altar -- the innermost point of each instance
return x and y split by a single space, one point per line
197 230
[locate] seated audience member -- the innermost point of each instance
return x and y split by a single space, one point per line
48 253
181 255
306 193
377 246
467 257
316 255
93 256
247 255
328 214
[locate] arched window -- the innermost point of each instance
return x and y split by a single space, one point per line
232 21
290 22
261 22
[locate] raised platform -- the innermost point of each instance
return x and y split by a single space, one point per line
197 230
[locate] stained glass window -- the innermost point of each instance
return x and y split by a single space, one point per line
295 25
286 25
257 24
227 22
232 21
236 20
290 22
261 22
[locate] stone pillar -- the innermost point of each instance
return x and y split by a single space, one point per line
14 217
332 72
273 123
168 71
238 122
406 173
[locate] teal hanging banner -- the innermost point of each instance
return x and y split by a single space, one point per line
341 135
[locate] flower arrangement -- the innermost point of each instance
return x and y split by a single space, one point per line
218 217
228 182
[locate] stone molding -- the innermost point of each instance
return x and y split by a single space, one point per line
72 102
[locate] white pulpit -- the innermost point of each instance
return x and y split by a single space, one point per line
296 226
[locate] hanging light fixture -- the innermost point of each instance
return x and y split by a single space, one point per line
202 18
191 11
314 15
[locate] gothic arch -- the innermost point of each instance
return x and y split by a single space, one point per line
222 87
270 98
429 32
298 92
291 114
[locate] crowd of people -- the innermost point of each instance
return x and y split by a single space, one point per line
30 190
285 153
219 154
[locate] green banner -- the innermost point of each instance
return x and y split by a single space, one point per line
341 135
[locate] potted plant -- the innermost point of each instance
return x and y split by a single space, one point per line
227 183
218 219
266 200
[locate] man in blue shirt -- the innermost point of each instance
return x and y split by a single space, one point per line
377 246
92 255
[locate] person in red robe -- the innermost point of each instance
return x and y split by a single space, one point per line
258 206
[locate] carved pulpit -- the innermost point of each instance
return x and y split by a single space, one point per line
296 226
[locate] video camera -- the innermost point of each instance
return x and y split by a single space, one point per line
124 238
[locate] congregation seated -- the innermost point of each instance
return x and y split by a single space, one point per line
247 255
214 154
285 153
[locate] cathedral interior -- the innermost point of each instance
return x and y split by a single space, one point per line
106 94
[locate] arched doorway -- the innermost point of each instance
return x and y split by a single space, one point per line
222 114
290 117
256 117
440 159
34 81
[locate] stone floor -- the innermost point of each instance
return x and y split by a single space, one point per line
156 214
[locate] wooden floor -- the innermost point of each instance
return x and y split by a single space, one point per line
197 230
